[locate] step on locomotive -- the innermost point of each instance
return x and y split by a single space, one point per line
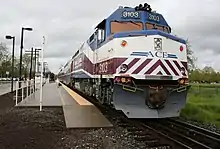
132 63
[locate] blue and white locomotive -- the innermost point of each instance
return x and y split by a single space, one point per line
133 63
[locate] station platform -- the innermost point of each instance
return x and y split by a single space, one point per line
78 112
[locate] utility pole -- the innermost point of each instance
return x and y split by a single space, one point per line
31 64
35 65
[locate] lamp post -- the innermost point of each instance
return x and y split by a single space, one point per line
13 53
22 36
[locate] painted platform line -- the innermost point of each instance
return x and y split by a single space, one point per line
79 99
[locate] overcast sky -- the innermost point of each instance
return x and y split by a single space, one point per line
67 24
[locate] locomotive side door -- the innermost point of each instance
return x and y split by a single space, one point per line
95 53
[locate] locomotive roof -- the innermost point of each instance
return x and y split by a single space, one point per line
142 16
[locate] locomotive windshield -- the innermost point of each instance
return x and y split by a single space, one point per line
119 26
150 26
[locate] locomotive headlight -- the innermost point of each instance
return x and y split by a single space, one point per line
181 81
124 68
123 80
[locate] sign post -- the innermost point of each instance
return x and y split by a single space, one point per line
41 80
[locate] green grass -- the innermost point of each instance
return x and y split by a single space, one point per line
203 104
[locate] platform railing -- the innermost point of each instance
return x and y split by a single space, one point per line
30 87
5 82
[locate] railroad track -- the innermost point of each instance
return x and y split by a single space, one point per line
141 134
207 139
191 136
161 134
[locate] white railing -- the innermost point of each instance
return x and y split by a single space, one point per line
5 82
25 84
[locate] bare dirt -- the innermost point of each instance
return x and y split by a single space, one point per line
6 102
30 128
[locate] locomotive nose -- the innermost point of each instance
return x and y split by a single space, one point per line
156 97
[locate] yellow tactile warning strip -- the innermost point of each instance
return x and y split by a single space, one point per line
79 99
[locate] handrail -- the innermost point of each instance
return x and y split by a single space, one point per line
25 84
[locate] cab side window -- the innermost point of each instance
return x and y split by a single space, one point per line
101 35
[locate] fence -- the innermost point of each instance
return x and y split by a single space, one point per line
204 89
26 89
5 82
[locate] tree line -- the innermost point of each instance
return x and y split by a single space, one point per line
205 75
6 63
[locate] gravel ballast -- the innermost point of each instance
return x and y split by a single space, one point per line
30 128
210 127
